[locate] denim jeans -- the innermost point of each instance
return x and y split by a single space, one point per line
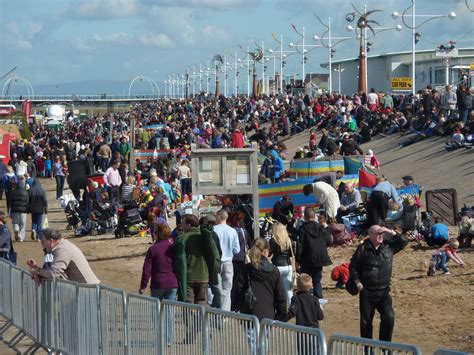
463 114
317 274
443 261
227 274
214 294
253 341
286 275
36 223
104 164
59 185
167 294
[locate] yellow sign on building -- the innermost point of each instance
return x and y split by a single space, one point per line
471 66
401 83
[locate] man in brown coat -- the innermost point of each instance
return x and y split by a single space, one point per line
69 263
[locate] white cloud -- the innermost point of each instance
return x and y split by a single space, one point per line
100 9
81 45
121 39
20 36
210 4
113 38
156 40
215 34
177 23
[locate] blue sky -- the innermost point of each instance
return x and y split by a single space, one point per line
59 41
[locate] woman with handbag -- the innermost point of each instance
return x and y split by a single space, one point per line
282 255
258 287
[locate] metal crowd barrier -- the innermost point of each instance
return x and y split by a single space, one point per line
31 307
88 320
284 338
5 297
341 344
113 321
449 352
47 322
185 322
17 307
230 332
143 325
65 316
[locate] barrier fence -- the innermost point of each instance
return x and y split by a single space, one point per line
346 344
65 317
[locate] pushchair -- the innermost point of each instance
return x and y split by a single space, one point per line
129 221
103 219
72 210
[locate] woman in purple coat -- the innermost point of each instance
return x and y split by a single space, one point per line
159 266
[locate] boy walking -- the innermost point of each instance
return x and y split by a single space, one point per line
308 312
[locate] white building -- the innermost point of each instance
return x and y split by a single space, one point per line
383 67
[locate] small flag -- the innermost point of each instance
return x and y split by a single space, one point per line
294 27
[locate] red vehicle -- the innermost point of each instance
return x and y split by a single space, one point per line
6 110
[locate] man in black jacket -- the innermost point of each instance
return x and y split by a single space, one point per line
312 249
371 270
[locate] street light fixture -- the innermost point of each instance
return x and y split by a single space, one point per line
329 45
395 15
282 57
339 71
363 23
367 45
303 50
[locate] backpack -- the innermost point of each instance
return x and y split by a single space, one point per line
11 183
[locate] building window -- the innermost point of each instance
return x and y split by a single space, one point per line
440 76
431 75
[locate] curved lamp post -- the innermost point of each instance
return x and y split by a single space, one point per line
415 35
363 23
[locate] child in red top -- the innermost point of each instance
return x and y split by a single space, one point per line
340 274
441 256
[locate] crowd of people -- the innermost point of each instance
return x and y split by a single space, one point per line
213 260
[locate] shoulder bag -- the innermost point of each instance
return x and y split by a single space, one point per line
247 299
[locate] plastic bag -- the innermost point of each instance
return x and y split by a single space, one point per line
45 223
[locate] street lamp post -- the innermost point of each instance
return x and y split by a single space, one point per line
274 73
263 68
339 71
395 15
363 23
282 56
303 49
330 46
248 73
375 30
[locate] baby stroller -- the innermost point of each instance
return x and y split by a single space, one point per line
129 221
102 220
71 208
72 215
427 222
